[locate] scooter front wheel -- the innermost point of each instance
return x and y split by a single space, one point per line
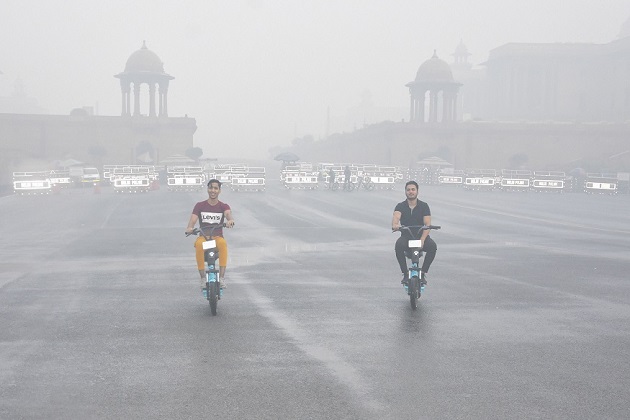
414 292
213 296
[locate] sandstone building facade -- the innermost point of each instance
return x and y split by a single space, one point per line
540 106
142 134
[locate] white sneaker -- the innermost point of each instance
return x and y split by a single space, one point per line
222 284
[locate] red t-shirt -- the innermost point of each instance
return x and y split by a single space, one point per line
209 214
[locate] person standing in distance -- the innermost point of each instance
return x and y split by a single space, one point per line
347 173
331 177
413 212
206 213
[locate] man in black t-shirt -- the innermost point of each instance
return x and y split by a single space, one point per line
413 212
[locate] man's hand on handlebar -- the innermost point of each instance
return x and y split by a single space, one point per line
399 227
204 230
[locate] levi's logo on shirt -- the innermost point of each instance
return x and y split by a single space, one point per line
208 217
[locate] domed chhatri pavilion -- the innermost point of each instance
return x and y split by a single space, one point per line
144 67
435 77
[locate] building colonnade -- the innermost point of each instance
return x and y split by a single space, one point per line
161 88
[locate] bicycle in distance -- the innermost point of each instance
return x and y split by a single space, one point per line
343 185
347 184
331 183
212 292
416 283
364 182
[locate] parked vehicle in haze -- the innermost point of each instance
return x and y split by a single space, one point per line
90 176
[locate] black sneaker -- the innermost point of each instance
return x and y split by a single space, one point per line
405 279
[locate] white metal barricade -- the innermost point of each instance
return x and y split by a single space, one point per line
515 179
60 178
302 176
381 177
478 179
185 178
548 181
131 184
36 182
451 177
253 179
601 183
133 178
227 171
110 171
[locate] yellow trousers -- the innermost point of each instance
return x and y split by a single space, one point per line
221 246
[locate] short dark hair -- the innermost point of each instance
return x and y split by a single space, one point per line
411 183
215 181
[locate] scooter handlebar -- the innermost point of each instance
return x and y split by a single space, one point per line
420 228
197 231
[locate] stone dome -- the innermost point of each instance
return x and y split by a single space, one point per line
144 61
434 70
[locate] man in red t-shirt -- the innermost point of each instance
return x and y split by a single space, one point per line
207 212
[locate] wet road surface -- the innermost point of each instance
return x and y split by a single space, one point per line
526 314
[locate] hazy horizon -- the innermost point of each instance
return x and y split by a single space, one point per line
256 74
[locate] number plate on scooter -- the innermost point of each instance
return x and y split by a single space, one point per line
209 244
415 243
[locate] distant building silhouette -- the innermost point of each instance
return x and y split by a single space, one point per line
567 82
553 106
30 141
19 102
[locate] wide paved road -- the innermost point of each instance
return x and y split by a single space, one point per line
526 314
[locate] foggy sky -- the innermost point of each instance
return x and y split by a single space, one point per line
257 73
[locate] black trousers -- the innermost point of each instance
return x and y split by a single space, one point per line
429 247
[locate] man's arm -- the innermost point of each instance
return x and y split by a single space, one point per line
192 222
229 219
427 221
396 220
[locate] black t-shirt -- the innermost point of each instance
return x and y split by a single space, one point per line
415 217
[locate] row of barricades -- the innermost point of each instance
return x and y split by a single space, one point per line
329 175
141 178
523 180
144 178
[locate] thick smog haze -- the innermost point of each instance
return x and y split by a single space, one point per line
256 74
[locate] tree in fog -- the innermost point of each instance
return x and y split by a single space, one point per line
518 160
145 152
299 141
194 153
97 153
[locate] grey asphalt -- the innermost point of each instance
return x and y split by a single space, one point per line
525 315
